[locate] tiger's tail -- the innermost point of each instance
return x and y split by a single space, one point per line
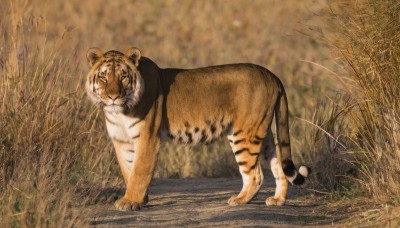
296 177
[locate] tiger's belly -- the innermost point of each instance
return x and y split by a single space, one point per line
193 133
126 130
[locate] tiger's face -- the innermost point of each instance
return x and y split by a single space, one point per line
113 80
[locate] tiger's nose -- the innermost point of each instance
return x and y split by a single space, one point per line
113 97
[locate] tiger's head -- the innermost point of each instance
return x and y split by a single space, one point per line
114 81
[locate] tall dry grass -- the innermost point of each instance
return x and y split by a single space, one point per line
54 150
49 133
365 37
181 35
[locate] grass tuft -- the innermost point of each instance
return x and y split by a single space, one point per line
365 35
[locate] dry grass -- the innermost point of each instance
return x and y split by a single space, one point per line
366 39
52 140
47 146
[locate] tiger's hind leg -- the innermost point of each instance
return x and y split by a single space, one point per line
270 150
247 152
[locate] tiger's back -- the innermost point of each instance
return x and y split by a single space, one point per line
191 116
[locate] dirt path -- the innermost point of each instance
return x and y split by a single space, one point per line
203 202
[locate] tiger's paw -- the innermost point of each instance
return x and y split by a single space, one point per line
127 205
271 201
233 201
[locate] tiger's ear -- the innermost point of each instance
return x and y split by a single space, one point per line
93 55
134 55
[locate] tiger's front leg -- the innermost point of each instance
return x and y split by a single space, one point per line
140 174
125 153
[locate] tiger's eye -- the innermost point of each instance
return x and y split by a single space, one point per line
124 75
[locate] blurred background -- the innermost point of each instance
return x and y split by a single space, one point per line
183 34
52 137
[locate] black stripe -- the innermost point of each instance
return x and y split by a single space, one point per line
308 170
203 136
93 81
299 180
213 128
171 136
136 136
285 144
134 82
240 151
130 79
256 142
134 123
130 82
196 129
187 125
130 161
189 135
120 88
238 141
113 68
132 151
258 138
236 133
242 163
288 167
230 140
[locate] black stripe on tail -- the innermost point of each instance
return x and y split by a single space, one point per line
293 175
288 168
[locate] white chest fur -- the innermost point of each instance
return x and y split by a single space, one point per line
122 127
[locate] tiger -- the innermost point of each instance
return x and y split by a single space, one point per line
144 105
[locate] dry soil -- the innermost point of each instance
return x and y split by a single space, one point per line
203 203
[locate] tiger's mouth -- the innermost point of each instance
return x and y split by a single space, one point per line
119 105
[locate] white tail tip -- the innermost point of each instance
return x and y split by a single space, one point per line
303 170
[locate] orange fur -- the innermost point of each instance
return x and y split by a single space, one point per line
144 104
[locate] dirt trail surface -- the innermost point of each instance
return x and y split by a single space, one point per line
203 203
